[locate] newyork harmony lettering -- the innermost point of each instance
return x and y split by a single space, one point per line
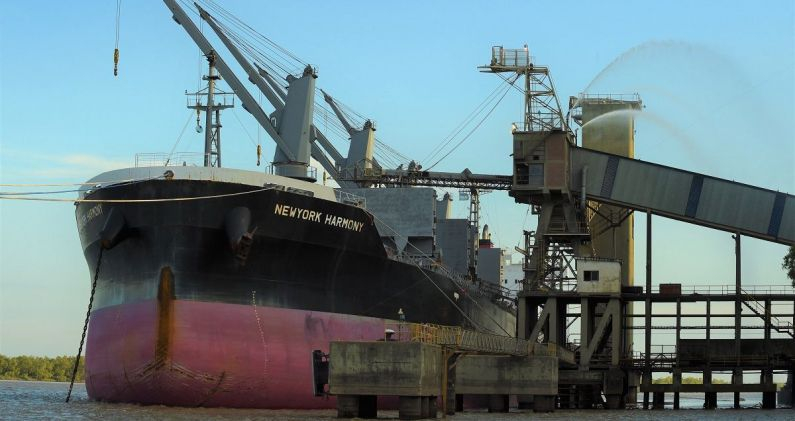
315 216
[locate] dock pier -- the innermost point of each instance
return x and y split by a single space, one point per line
579 306
432 368
415 363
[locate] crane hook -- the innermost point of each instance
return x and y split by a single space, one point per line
116 50
116 62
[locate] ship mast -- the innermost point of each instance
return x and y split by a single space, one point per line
212 111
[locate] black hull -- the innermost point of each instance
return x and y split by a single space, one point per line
302 260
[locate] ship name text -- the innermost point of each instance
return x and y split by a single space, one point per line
87 216
315 216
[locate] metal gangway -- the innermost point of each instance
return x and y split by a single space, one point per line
465 340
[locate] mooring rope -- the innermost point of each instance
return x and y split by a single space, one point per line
85 325
161 200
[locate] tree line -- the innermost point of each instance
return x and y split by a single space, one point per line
25 367
686 380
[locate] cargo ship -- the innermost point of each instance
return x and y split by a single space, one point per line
220 287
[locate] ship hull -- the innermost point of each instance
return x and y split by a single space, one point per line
213 354
182 319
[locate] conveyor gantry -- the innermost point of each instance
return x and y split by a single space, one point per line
546 164
630 183
687 196
463 180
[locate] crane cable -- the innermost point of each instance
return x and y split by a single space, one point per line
276 57
476 126
159 200
259 135
268 61
116 50
463 124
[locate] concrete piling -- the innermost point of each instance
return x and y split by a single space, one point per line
426 407
347 406
410 408
433 406
498 403
368 406
357 406
658 400
543 403
585 397
710 400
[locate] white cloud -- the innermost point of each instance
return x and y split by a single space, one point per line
58 168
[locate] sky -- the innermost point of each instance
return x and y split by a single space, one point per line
716 79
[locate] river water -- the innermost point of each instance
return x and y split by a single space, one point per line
45 400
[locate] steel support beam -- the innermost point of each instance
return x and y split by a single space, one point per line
738 309
647 310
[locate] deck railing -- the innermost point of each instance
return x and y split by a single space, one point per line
470 340
164 159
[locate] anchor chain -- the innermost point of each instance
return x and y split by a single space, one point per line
85 325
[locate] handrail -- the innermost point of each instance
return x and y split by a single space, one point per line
754 305
350 198
726 289
164 159
634 97
465 339
311 172
510 57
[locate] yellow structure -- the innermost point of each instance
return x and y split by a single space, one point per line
608 125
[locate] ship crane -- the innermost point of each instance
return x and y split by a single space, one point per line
290 125
317 152
291 128
360 154
248 101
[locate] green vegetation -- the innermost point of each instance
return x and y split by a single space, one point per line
57 369
789 264
686 380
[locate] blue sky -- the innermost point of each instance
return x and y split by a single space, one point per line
716 77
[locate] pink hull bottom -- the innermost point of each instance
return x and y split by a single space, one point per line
213 354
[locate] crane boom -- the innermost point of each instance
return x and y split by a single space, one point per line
360 152
275 94
272 82
249 103
252 73
327 146
319 156
338 112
